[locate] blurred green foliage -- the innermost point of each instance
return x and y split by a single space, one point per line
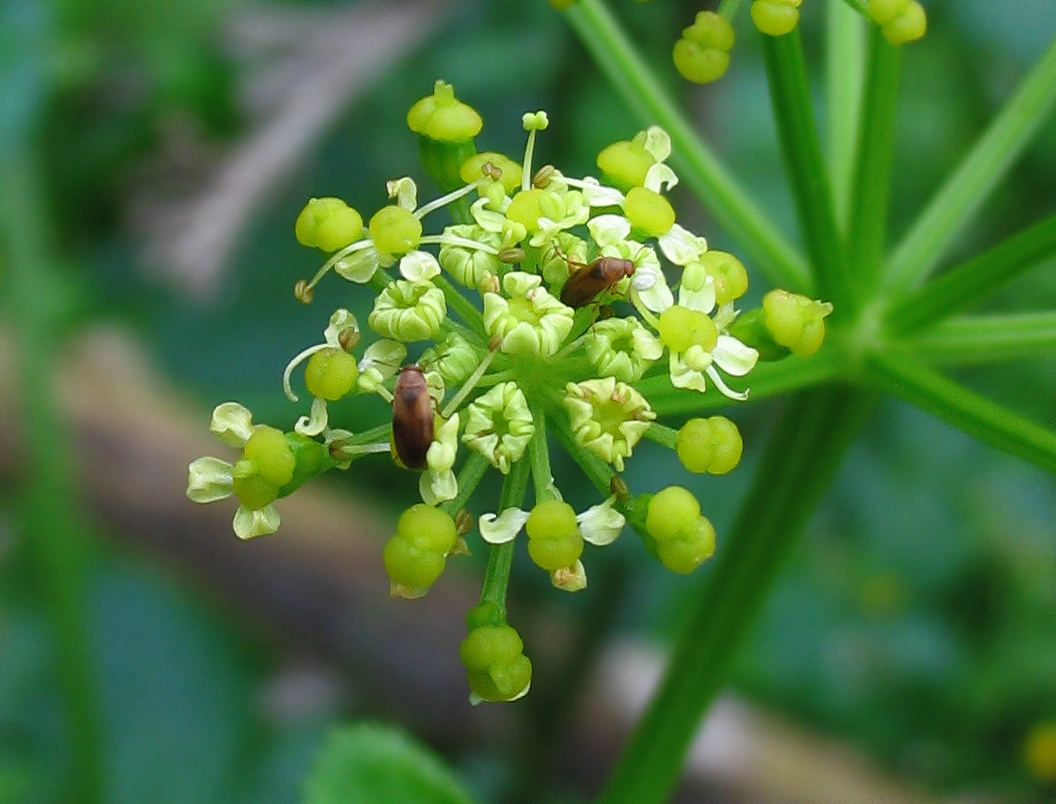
917 618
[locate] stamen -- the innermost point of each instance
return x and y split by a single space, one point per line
304 355
728 392
444 200
469 384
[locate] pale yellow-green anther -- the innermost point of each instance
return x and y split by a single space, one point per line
607 417
232 423
528 319
408 311
649 212
510 171
534 121
775 17
727 273
395 231
328 224
795 322
622 348
444 118
696 291
711 445
499 425
453 357
470 266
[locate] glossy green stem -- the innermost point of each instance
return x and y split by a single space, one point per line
497 576
985 339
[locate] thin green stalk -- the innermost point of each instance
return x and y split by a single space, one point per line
54 538
800 460
793 113
539 456
664 436
974 280
970 185
766 380
699 168
497 576
869 203
980 418
843 92
985 339
469 314
469 477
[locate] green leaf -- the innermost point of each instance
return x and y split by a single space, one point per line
370 762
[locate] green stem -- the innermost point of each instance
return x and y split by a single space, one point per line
801 458
970 185
728 9
974 280
793 112
55 540
843 92
766 380
472 472
497 576
967 411
700 169
865 238
539 456
985 339
469 314
664 436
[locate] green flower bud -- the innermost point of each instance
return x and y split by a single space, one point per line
703 53
909 25
728 274
271 456
497 669
690 549
328 223
427 528
795 321
331 374
681 328
649 212
395 231
554 540
775 17
510 170
408 311
442 117
671 513
709 445
412 570
453 357
528 319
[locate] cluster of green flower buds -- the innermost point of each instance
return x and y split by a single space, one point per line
545 315
702 54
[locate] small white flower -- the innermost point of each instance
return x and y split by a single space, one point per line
232 424
502 528
601 524
681 246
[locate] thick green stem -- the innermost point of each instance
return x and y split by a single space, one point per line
980 418
843 92
974 280
53 537
801 458
970 185
497 576
985 339
699 168
865 237
793 113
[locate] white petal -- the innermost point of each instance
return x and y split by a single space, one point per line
340 321
734 357
404 191
437 487
609 229
682 376
232 424
660 177
313 425
598 195
248 524
359 266
209 480
702 300
601 524
658 297
724 389
444 449
681 246
657 143
419 266
502 528
570 579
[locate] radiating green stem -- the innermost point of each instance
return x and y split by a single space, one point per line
539 456
868 225
497 576
985 339
970 185
980 418
469 314
800 460
53 532
699 168
665 436
843 93
974 280
793 113
472 472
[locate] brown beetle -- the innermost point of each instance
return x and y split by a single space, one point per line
413 424
588 281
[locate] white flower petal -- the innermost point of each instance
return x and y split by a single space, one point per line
701 299
437 487
601 524
598 195
359 266
682 376
657 143
724 389
570 579
340 321
313 425
444 449
209 480
248 524
502 528
232 423
419 266
734 357
404 191
659 178
658 296
681 246
609 229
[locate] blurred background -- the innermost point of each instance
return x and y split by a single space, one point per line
153 158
